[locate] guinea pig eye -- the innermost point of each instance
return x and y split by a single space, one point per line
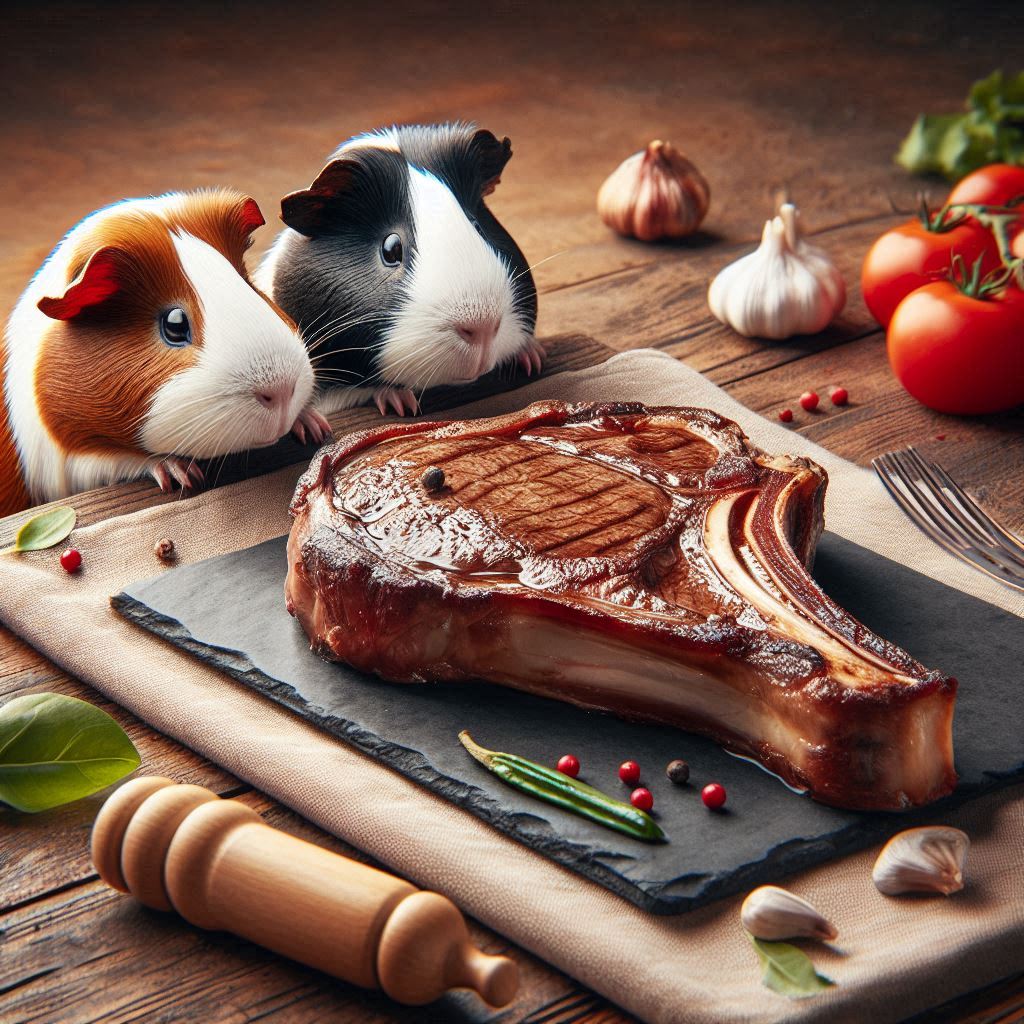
175 328
391 250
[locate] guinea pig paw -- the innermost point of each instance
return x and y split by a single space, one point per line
312 426
401 400
186 473
531 357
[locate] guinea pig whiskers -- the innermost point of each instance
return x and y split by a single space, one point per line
533 266
335 328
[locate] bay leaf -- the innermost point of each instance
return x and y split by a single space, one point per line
55 749
44 530
788 970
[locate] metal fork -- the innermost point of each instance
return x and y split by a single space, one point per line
940 508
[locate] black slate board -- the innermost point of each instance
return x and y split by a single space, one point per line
229 611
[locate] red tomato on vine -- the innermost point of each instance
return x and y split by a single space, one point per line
920 252
994 185
958 345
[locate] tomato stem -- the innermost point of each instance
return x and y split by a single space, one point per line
942 221
972 284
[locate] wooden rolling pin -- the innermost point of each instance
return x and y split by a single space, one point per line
222 867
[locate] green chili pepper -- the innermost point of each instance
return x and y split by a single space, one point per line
556 788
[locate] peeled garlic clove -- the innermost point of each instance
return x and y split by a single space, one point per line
656 193
772 914
929 859
786 286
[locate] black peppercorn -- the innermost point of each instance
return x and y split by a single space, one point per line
433 479
678 772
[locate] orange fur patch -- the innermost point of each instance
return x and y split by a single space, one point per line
97 374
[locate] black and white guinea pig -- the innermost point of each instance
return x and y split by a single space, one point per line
140 345
396 272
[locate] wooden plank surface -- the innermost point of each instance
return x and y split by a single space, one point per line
763 96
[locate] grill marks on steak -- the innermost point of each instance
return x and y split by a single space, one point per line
649 562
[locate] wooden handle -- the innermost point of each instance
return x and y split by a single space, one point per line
222 867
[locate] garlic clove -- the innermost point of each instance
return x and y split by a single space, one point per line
656 193
928 859
772 914
786 286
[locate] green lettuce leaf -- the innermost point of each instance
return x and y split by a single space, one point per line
991 131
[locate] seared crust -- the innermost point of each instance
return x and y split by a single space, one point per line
646 561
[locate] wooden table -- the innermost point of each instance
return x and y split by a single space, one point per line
763 97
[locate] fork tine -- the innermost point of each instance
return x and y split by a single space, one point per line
888 472
899 469
935 489
951 528
1010 541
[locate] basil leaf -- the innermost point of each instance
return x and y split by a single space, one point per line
44 530
788 970
55 749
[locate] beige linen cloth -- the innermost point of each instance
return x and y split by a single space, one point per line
894 957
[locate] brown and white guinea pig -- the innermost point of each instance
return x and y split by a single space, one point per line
396 272
140 345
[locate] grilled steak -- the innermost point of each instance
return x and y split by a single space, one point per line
649 562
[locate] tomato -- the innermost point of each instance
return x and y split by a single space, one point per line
913 255
959 354
995 185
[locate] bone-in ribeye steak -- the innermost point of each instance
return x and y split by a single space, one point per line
645 561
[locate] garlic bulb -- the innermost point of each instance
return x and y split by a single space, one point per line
787 286
772 913
929 859
656 193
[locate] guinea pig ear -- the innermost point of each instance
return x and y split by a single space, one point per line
99 280
491 157
309 211
252 217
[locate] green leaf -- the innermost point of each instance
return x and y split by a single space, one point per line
966 145
986 93
919 151
55 749
998 95
788 970
992 131
44 530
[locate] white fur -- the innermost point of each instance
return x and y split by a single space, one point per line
382 138
263 278
336 399
455 278
49 471
212 408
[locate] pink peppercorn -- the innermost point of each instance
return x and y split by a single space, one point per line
713 795
642 799
71 560
569 765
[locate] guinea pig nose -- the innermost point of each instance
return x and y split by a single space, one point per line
275 396
476 332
